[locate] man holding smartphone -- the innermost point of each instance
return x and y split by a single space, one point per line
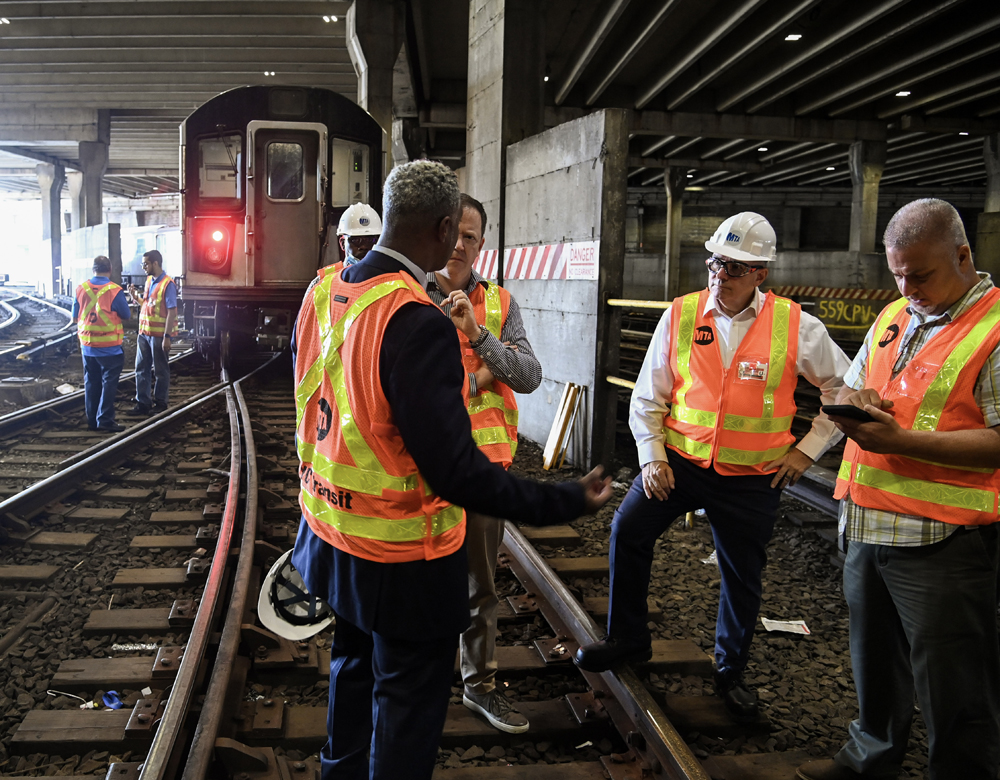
919 485
711 414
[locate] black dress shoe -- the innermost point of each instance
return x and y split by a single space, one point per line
601 656
139 409
113 428
740 701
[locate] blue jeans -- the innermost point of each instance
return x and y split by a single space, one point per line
389 696
151 361
741 511
100 386
924 622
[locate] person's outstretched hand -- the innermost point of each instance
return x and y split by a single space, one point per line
597 490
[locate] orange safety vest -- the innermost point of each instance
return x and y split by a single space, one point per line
935 391
333 268
98 325
153 314
494 411
738 419
360 489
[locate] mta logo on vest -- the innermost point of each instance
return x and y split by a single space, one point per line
890 335
732 238
704 335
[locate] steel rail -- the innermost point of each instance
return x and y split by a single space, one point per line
15 313
23 417
161 751
200 754
36 496
661 737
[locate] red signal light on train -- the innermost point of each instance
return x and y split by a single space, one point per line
212 250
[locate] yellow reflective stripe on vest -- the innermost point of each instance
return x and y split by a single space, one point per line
779 352
368 476
494 310
487 400
698 449
750 457
923 490
378 528
685 337
845 470
483 436
884 320
686 414
94 296
932 406
736 422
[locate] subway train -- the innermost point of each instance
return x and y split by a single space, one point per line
266 173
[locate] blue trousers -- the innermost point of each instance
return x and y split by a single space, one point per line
100 386
923 621
150 362
741 511
387 696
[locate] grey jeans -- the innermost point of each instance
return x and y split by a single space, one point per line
479 642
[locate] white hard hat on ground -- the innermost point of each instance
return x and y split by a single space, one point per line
746 236
359 219
286 606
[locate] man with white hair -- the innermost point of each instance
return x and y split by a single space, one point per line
387 463
711 413
919 484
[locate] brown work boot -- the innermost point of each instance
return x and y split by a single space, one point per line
827 769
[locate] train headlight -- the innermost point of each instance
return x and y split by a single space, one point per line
212 249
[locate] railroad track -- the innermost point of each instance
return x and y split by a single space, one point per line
31 325
125 578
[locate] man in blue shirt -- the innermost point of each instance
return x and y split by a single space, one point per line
157 327
98 312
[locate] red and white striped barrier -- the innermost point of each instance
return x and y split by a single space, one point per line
575 261
801 290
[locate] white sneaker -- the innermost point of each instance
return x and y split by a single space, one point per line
498 710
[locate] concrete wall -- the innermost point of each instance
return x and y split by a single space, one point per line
568 184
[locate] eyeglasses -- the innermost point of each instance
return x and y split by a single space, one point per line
368 241
733 268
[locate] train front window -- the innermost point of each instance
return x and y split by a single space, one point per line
285 171
219 167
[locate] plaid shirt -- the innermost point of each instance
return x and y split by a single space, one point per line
876 526
519 369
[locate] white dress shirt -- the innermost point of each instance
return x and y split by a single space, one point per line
819 360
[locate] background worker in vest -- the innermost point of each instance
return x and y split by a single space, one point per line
499 364
711 413
919 488
357 232
384 544
98 311
157 327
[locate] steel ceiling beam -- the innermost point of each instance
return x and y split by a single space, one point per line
715 70
41 157
745 149
685 145
590 47
946 125
730 21
720 148
638 42
694 163
159 53
657 145
776 128
918 170
951 89
963 100
881 38
844 90
757 84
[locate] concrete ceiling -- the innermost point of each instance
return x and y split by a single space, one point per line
706 78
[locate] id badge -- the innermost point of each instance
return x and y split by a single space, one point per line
914 380
752 370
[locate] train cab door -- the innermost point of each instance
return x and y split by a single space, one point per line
286 182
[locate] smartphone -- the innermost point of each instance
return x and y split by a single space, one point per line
846 410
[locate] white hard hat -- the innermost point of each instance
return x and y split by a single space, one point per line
359 219
286 606
747 236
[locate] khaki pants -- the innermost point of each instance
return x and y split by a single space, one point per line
479 642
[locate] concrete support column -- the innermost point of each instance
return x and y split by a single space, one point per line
866 160
674 180
505 99
791 230
50 180
74 180
375 31
94 162
991 156
988 225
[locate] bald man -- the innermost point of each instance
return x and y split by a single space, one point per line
919 486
